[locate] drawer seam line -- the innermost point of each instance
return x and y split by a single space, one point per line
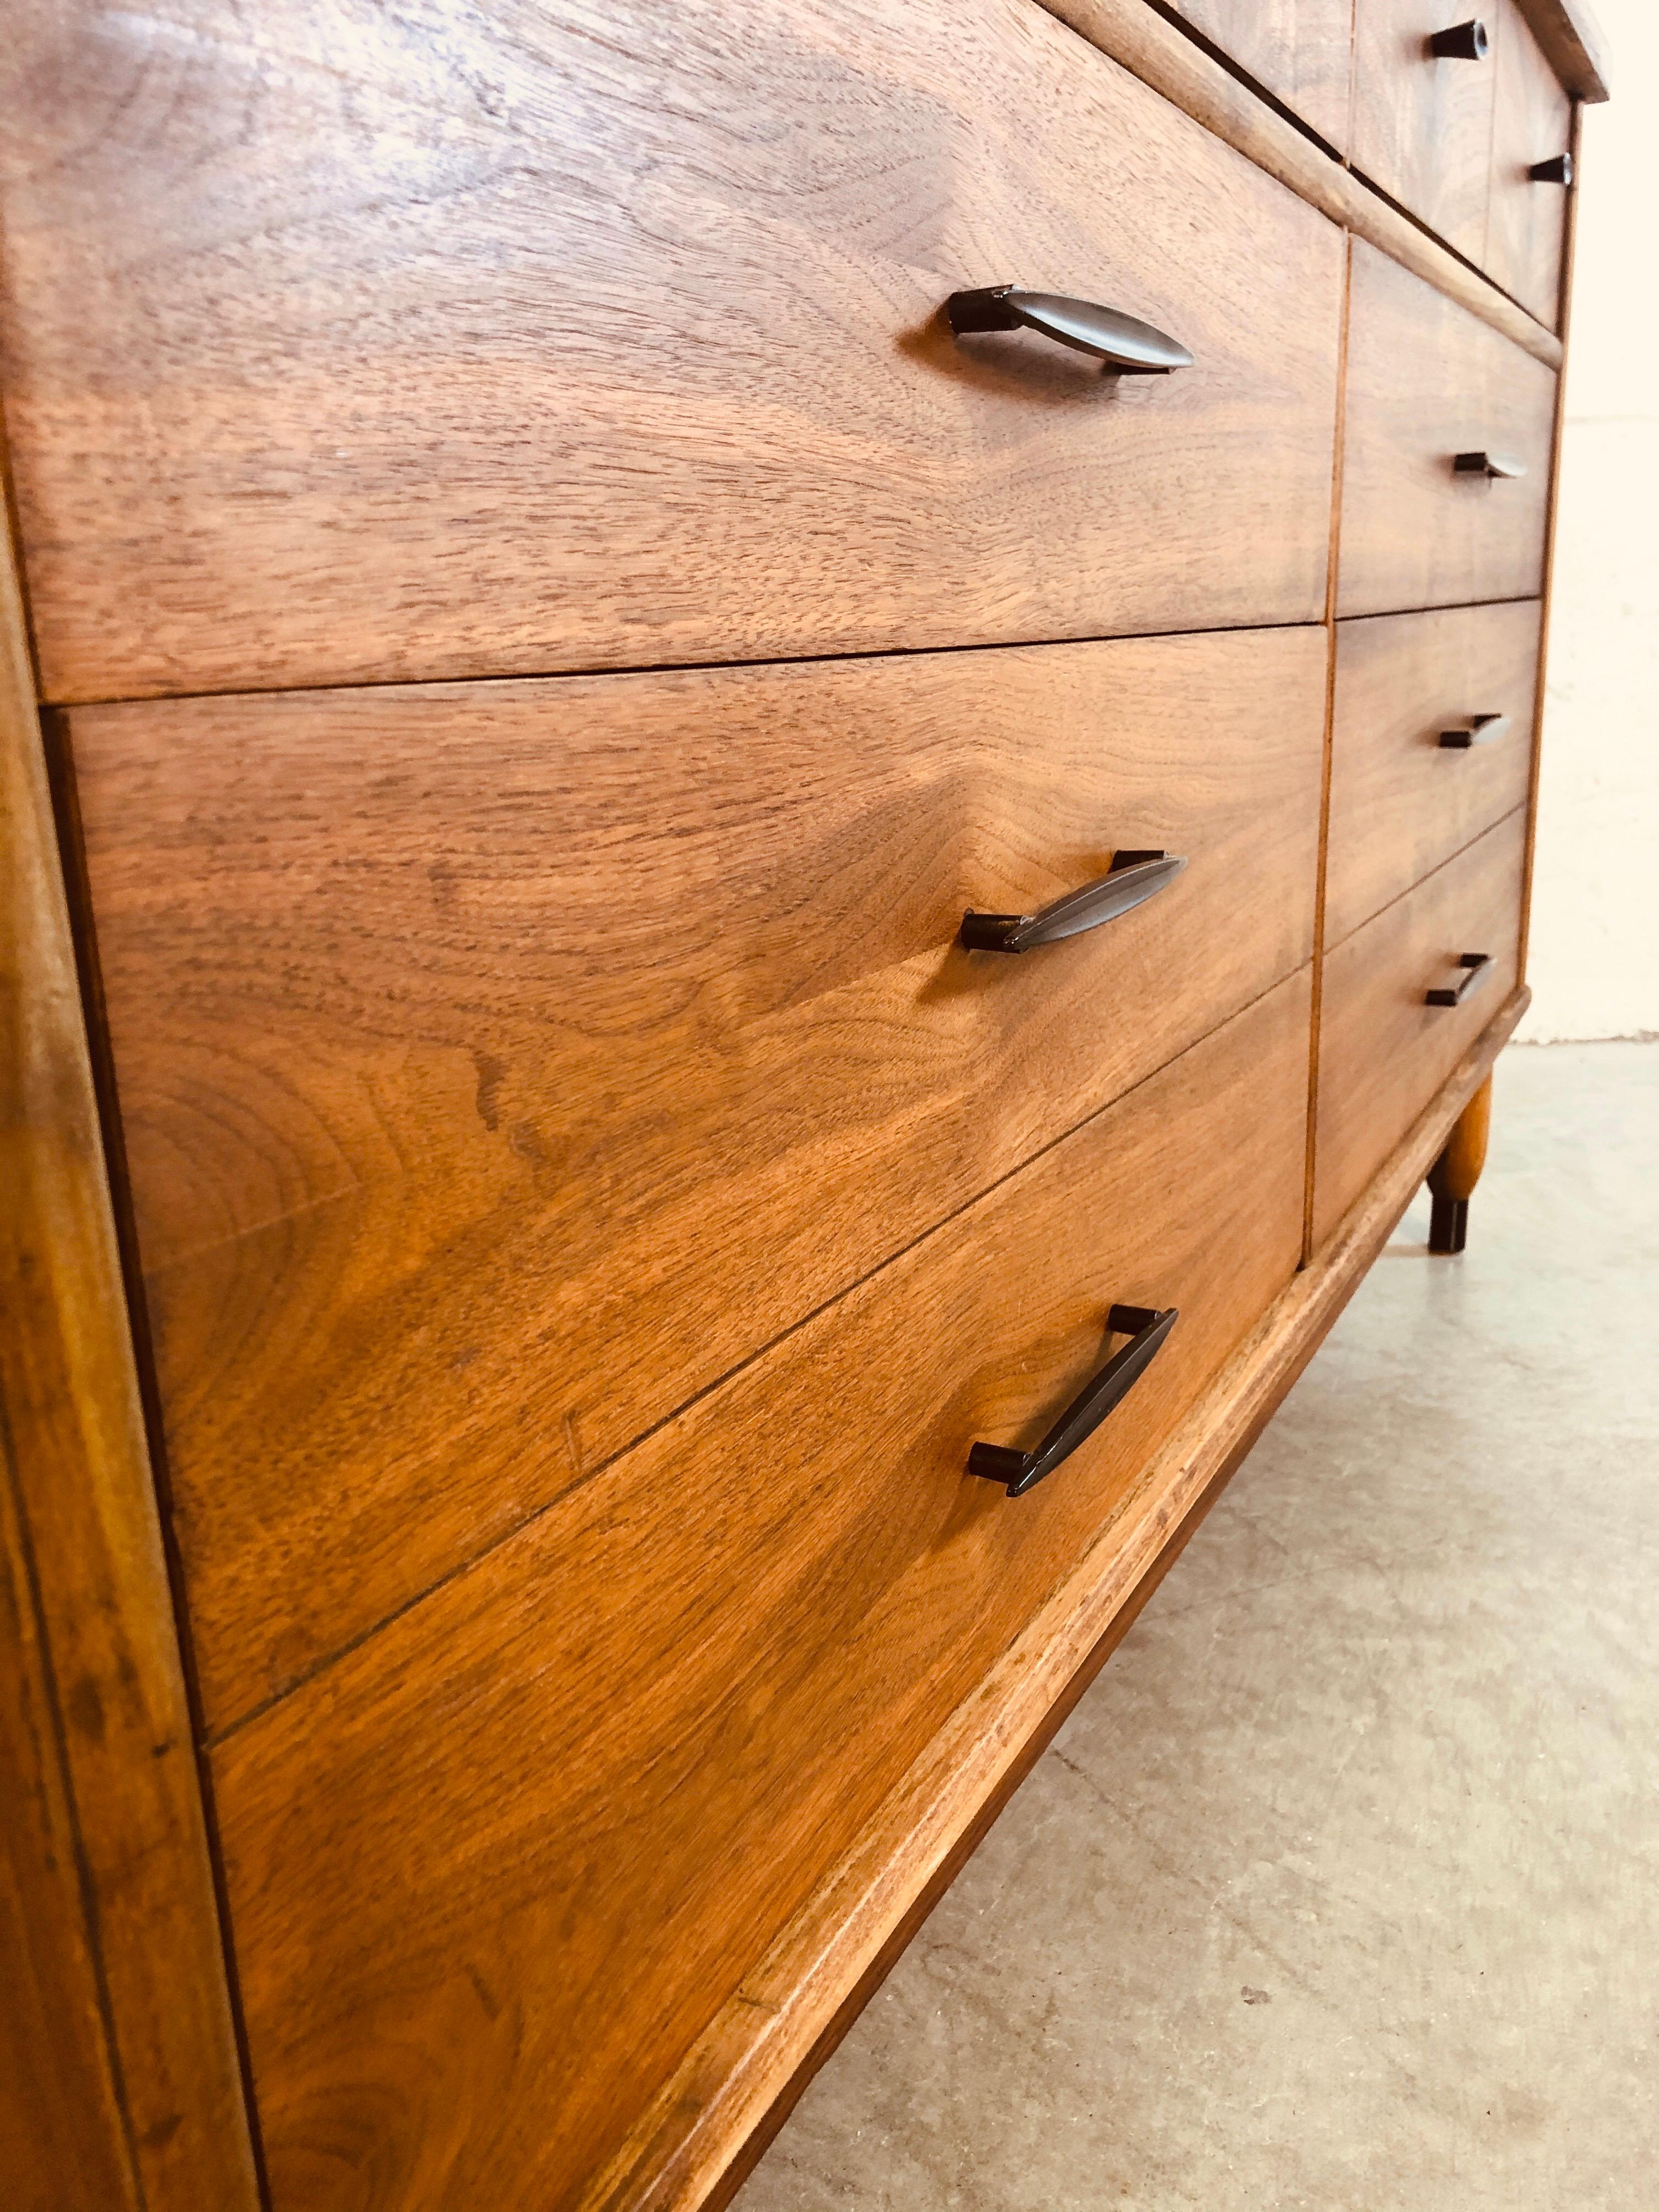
1444 607
216 1738
577 671
1508 816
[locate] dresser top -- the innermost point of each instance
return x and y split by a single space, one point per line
1573 39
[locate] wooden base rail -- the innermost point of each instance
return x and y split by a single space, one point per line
1165 59
695 2142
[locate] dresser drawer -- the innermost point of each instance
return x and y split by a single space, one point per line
1422 121
1428 382
1300 51
1532 127
491 1872
501 1063
1383 1049
1432 743
612 334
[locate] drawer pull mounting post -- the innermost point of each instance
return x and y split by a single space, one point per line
1463 42
1133 878
1475 967
1126 347
1557 170
1146 1326
1483 730
1488 464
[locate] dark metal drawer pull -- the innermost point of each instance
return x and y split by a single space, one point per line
1483 730
1476 967
1146 1326
1133 877
1127 347
1464 42
1488 464
1557 170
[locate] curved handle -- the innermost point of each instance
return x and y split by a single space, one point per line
1488 464
1128 348
1464 42
1147 1326
1557 170
1474 968
1133 877
1483 730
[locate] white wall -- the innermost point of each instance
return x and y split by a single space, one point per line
1594 965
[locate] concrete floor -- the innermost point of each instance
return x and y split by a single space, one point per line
1340 1888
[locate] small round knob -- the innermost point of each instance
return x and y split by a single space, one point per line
1464 42
1556 171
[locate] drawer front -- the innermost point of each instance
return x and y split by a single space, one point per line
491 1872
1526 219
1422 123
612 334
501 1064
1383 1051
1401 799
1300 51
1428 381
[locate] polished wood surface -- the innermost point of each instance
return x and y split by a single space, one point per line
1300 51
1425 381
1422 125
501 1064
1165 58
1383 1052
611 335
584 1207
564 1804
110 1933
684 2146
1402 802
1526 220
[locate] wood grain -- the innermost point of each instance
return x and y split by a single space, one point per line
1300 51
1526 220
109 1894
1164 57
1573 42
563 1805
685 2143
1422 126
604 334
1400 802
1426 381
1383 1052
501 1064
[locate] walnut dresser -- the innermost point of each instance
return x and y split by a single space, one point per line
767 773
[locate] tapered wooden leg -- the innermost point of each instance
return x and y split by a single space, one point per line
1454 1174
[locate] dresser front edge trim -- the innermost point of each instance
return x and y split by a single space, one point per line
85 1538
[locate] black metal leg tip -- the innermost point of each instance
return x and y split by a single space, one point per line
1449 1225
